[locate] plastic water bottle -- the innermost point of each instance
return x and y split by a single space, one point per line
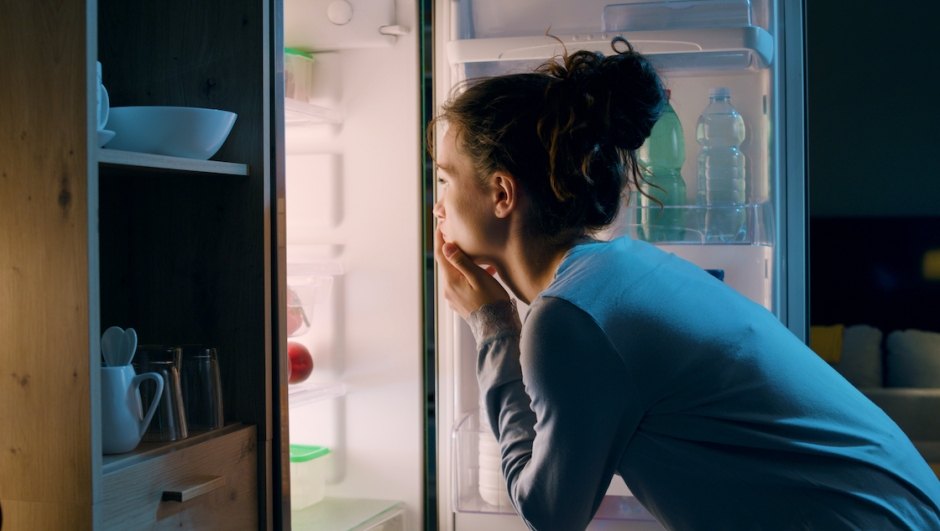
662 155
720 131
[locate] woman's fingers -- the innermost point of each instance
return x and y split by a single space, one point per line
450 273
466 285
461 263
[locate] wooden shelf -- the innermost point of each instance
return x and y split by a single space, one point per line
151 450
127 159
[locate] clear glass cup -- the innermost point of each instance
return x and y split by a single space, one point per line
202 387
169 421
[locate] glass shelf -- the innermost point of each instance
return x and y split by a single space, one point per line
480 487
350 514
304 393
297 112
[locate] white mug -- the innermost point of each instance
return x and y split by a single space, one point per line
104 103
121 422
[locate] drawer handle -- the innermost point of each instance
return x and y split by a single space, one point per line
195 487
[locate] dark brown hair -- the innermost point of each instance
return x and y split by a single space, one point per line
568 132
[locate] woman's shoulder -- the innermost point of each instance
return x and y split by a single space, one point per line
604 264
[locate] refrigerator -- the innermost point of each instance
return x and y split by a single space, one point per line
393 392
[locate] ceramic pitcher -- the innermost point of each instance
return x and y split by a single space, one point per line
121 422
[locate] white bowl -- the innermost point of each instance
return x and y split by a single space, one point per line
189 132
104 136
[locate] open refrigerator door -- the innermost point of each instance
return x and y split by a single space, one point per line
696 46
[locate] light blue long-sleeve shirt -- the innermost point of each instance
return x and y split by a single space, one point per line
637 362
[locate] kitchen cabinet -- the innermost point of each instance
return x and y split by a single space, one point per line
182 251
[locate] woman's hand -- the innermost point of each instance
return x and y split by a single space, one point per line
467 286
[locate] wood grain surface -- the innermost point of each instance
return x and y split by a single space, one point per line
35 516
133 495
45 399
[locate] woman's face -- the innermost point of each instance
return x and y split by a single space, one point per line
464 208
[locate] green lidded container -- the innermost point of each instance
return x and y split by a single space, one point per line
308 468
301 454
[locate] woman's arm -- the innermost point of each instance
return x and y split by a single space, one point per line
563 409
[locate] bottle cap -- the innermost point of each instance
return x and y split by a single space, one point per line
719 92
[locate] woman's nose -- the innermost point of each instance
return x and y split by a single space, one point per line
438 210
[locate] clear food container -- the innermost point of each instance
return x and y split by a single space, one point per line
308 287
308 467
298 74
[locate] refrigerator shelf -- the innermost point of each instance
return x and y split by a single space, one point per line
304 393
748 47
480 488
298 112
685 224
350 514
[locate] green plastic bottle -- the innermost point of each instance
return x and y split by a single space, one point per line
662 156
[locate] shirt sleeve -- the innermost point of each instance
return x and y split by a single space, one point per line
563 407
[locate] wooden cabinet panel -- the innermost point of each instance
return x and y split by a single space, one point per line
44 260
216 478
24 515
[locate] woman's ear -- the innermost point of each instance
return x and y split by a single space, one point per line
505 194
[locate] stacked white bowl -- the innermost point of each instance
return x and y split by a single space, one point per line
492 485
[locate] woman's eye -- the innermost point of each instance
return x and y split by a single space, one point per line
441 182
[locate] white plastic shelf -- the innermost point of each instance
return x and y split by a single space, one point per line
751 40
304 393
297 112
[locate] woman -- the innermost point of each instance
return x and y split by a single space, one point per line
631 360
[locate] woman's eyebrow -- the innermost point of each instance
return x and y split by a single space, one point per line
446 168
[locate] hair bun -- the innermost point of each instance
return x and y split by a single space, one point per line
637 95
619 96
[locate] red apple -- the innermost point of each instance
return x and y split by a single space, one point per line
301 362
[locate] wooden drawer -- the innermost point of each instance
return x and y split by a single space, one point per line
215 475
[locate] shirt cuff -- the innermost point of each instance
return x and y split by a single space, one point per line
494 321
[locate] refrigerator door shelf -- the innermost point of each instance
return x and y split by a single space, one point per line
477 490
304 393
685 224
747 262
749 47
676 14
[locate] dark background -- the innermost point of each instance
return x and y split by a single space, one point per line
874 173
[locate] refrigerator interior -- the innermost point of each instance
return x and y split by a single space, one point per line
354 257
695 46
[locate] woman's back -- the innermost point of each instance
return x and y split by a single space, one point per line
734 420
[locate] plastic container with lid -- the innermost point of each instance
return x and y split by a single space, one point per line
308 467
298 75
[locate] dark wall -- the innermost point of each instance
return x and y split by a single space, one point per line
874 107
874 162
